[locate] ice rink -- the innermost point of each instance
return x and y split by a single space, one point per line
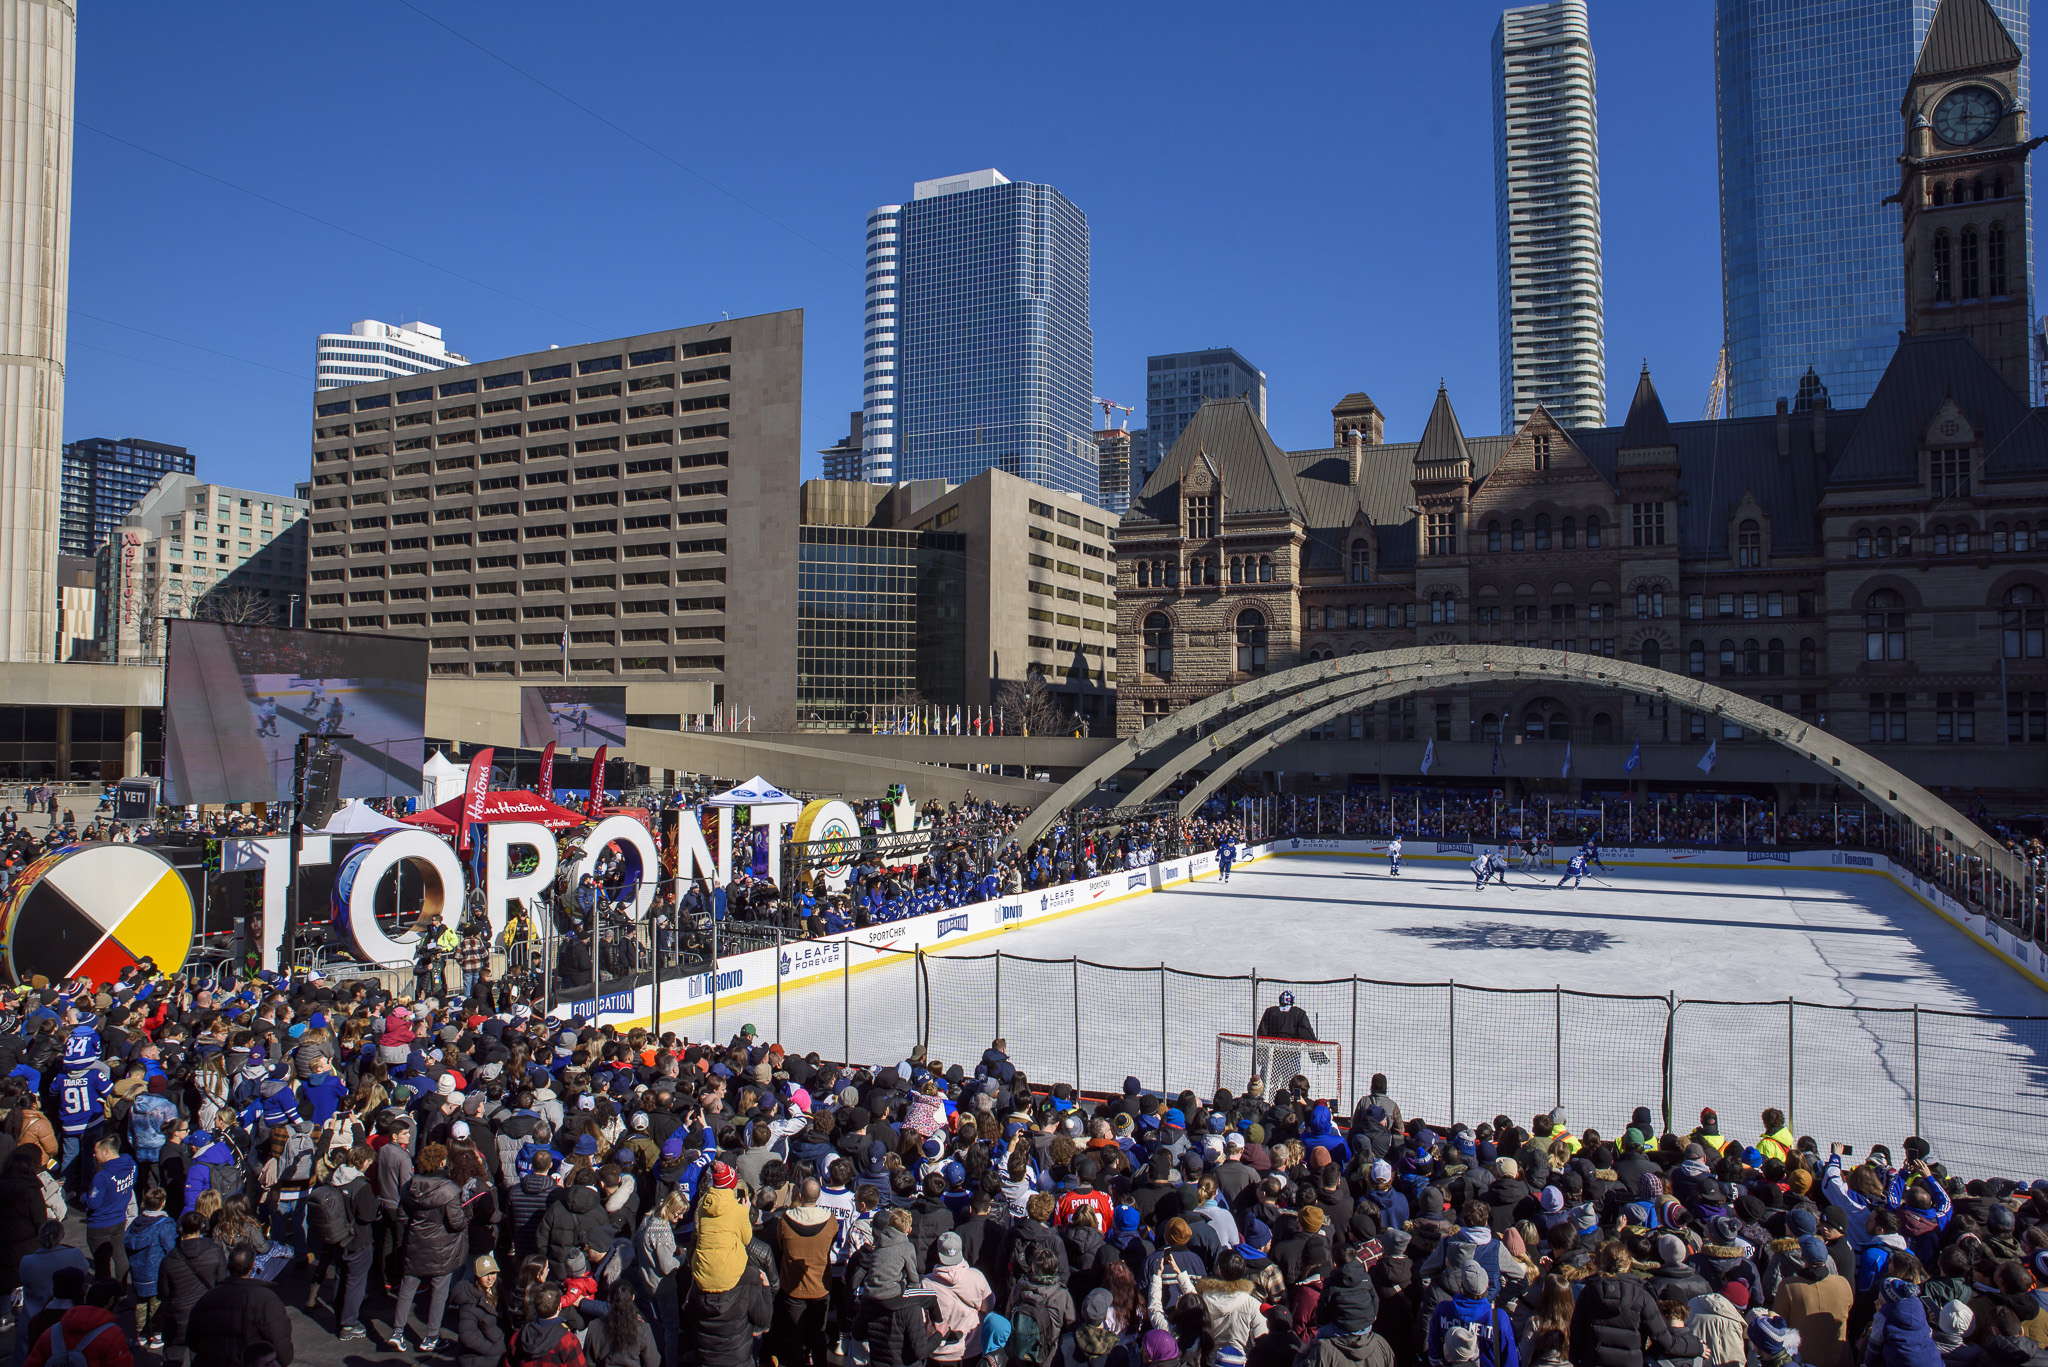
1575 1026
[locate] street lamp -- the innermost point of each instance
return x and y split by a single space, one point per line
292 617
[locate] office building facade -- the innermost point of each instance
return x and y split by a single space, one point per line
38 54
1178 384
1113 463
578 512
846 458
1807 96
1546 205
878 348
187 542
104 479
995 359
371 350
881 623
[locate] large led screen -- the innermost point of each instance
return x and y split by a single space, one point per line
573 718
237 699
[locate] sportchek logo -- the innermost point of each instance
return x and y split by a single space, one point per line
1678 855
884 937
1137 881
1854 861
1098 888
949 925
1013 911
1770 856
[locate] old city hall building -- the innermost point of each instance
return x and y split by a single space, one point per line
1879 571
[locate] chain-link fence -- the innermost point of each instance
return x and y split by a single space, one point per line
1971 1084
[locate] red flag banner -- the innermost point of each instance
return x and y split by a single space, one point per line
475 789
597 782
547 772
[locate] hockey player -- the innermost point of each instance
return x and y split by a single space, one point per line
1482 866
1591 851
1226 854
1574 871
1394 856
266 717
1499 862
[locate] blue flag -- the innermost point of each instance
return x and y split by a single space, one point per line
1707 760
1566 772
1496 757
1428 755
1634 760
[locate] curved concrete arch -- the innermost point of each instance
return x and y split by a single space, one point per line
1281 735
1412 670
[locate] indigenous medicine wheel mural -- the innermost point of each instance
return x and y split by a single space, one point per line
91 911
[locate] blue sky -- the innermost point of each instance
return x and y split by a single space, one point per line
1310 184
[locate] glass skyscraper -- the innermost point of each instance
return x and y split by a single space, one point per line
995 360
103 481
1177 385
1807 95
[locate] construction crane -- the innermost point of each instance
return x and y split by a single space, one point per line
1717 392
1107 405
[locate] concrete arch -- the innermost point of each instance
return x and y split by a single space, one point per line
1279 701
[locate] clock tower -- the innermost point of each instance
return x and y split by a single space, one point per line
1963 188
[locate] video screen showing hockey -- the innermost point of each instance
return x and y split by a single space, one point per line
573 718
237 699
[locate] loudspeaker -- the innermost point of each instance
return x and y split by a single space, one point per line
323 777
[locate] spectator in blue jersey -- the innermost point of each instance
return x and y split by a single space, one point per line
324 1091
106 1209
81 1115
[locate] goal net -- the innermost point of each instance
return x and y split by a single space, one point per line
1278 1060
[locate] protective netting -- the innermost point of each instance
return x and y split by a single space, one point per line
1507 1056
1199 1007
1875 1047
1983 1084
1733 1057
1612 1058
1403 1031
961 992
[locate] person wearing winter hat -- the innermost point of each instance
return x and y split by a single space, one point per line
1776 1342
1814 1301
1674 1278
1952 1324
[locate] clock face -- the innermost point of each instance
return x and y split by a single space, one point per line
1968 115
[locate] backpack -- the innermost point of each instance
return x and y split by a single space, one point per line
60 1356
329 1217
225 1178
1034 1333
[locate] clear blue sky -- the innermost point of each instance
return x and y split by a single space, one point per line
1310 184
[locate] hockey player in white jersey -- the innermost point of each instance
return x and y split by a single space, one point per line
1394 856
1482 865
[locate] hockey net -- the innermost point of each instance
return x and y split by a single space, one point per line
1277 1060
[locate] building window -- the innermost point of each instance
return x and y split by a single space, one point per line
1968 261
1443 539
1995 259
1236 569
1653 654
1489 729
1251 642
1955 718
1775 658
1443 721
1515 540
2021 621
1727 653
1749 545
1944 271
1593 533
1351 615
1361 562
1493 535
1884 627
1888 717
2026 717
1158 645
1443 610
1265 569
1539 450
1202 516
1172 574
1649 604
1696 658
1543 531
1571 534
1752 656
1960 542
1546 718
1647 525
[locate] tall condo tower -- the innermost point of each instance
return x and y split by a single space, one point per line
995 361
1546 211
38 53
1807 109
878 353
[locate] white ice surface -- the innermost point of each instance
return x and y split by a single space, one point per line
1750 935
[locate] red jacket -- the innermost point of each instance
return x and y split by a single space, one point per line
108 1350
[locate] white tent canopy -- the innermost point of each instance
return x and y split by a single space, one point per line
441 779
356 817
755 792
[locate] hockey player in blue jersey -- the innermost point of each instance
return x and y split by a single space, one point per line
1591 852
1394 856
1226 855
1574 871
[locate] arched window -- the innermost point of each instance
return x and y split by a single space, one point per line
1809 658
1173 574
1994 259
1749 544
1775 658
1998 187
1938 539
1144 574
1960 542
1237 569
1884 627
2001 537
1940 193
1593 533
2024 621
1603 728
2019 536
1944 269
1158 644
1653 654
1752 656
1546 718
1571 534
1727 657
1515 541
1251 642
1489 729
1543 531
1977 189
1696 658
1451 609
1883 542
1966 256
1265 569
1361 562
1862 544
1903 543
1493 535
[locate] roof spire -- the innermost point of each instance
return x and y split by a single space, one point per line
1646 426
1965 35
1442 438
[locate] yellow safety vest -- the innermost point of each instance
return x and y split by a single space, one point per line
1778 1144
